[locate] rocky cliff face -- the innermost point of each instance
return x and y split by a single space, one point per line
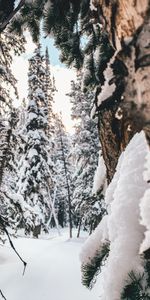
128 25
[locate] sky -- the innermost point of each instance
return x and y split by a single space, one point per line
63 77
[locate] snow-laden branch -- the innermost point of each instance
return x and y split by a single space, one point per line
122 227
12 14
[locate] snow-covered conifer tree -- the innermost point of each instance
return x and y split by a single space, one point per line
85 155
63 167
9 207
49 88
35 167
10 44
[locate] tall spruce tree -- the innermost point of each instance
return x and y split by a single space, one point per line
63 166
36 168
85 155
9 45
9 206
49 88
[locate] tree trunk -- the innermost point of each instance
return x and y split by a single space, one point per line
129 33
79 227
37 231
67 185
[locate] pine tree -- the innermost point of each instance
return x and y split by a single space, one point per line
6 8
92 34
63 175
8 145
36 167
8 11
76 29
85 155
49 87
10 44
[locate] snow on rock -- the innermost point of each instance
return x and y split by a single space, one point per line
100 175
124 230
145 208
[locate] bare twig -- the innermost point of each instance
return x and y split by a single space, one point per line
1 293
2 223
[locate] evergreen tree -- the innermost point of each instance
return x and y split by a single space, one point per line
76 27
8 11
35 167
8 145
6 7
63 174
85 155
10 44
49 88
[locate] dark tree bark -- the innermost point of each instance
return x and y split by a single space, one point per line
129 32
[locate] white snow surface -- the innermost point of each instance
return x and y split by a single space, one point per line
92 6
100 175
124 229
145 208
145 220
122 224
94 242
107 89
93 111
53 269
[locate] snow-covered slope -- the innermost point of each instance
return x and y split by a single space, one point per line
53 270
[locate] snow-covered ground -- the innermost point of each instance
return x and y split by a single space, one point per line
53 270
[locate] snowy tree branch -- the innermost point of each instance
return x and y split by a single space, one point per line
12 14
